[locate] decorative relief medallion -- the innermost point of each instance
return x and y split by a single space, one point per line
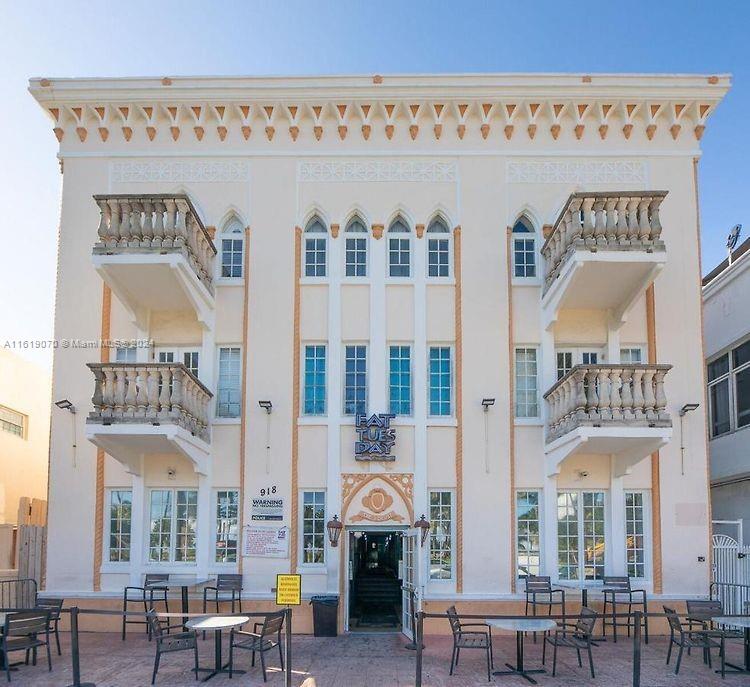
577 171
377 170
186 171
389 498
377 500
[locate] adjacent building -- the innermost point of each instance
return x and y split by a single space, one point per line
473 298
726 315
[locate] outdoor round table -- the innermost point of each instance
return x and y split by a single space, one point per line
215 624
519 626
745 624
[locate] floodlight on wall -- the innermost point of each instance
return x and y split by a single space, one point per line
687 408
486 403
65 404
266 405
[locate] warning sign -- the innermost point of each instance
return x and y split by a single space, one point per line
288 590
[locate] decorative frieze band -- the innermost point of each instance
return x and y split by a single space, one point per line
577 172
185 171
377 170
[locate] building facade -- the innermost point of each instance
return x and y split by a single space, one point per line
473 298
726 333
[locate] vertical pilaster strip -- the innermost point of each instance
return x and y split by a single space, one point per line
243 413
459 415
99 488
655 474
511 414
703 359
295 400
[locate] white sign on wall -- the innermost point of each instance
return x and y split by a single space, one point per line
267 509
265 542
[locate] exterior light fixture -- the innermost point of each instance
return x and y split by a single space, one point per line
266 405
423 525
688 407
65 404
487 402
334 528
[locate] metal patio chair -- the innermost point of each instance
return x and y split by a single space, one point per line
22 632
617 593
541 586
154 589
228 589
572 636
54 606
265 636
170 642
686 639
699 614
464 638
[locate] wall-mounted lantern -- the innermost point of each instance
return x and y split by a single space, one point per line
334 528
423 525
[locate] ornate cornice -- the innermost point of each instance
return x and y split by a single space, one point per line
401 109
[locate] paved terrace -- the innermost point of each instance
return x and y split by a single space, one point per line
359 660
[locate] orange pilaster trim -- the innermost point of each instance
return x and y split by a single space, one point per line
459 415
511 417
99 487
655 472
295 401
243 414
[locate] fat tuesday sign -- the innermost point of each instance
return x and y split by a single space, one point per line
375 437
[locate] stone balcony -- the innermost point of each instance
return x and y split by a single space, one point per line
604 250
617 410
144 408
155 254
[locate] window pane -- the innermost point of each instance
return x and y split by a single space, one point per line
630 355
741 354
399 255
441 539
12 421
227 523
120 517
355 380
528 541
527 401
315 254
228 393
160 526
440 379
315 380
567 536
186 503
593 535
718 398
437 258
356 249
313 527
231 257
743 397
635 552
718 368
399 385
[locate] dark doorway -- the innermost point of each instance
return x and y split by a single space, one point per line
375 595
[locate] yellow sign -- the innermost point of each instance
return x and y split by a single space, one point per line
288 590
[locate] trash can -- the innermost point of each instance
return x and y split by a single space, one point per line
325 615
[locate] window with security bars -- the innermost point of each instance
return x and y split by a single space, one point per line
399 380
441 535
13 422
635 535
313 527
581 535
173 517
528 534
316 249
355 380
355 249
526 383
440 374
227 525
228 391
314 402
120 518
524 249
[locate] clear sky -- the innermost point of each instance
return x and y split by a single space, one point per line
136 38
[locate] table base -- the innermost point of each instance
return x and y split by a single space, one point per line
521 673
212 672
734 670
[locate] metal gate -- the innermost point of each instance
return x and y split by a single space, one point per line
731 573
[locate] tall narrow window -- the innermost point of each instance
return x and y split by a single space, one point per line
355 380
120 517
527 389
524 249
438 249
635 545
315 380
581 535
440 380
399 380
172 525
441 535
399 249
316 243
356 249
228 392
227 525
564 363
313 527
528 535
718 396
232 249
190 360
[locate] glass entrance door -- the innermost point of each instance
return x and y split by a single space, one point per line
410 589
